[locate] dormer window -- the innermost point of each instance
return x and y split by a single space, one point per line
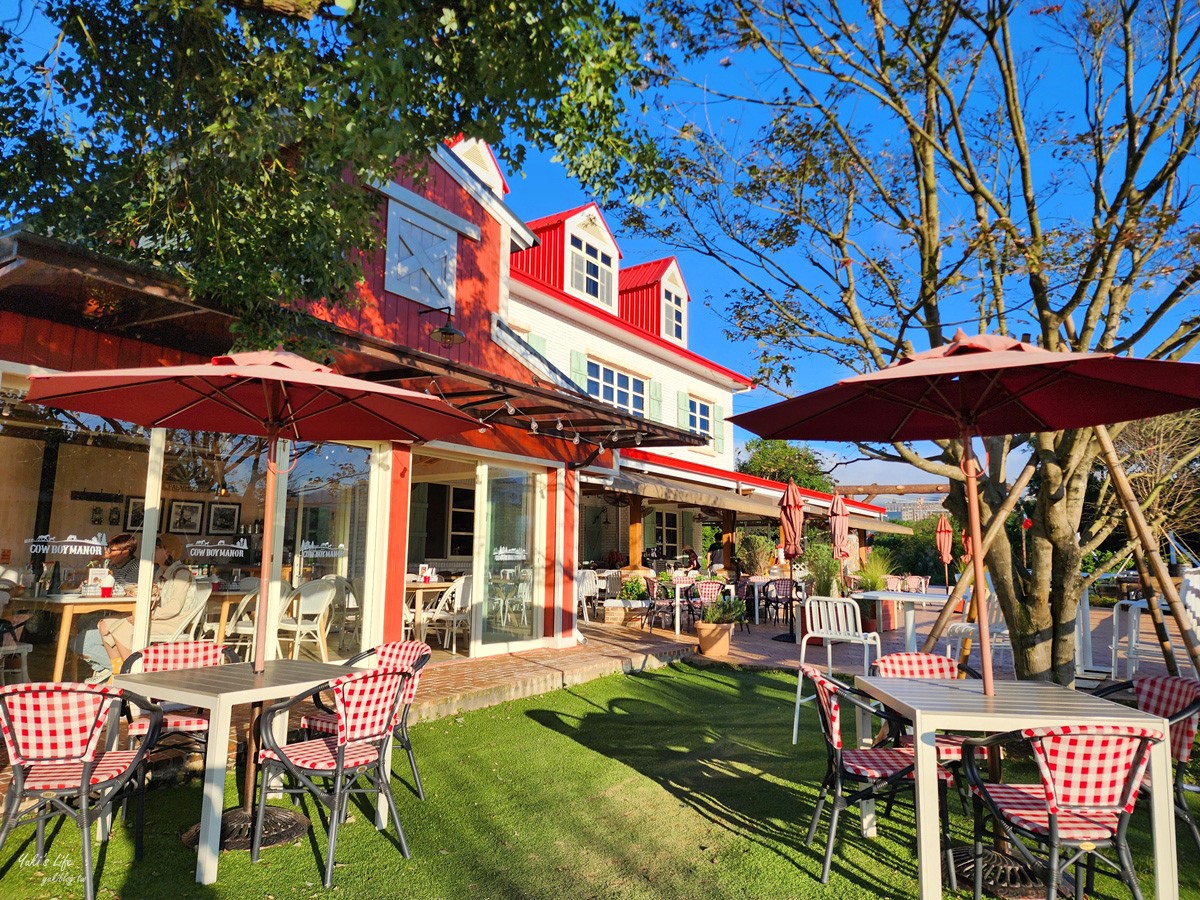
592 271
674 324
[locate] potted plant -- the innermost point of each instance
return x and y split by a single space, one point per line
716 628
872 576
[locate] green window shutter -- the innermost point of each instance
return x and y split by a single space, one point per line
718 428
684 412
685 532
655 410
537 342
579 369
648 530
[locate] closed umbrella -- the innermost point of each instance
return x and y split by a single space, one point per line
968 548
944 536
839 529
984 385
791 526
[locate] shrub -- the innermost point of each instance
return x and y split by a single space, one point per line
872 576
755 553
725 611
821 567
633 589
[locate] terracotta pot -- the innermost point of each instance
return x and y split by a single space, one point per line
714 639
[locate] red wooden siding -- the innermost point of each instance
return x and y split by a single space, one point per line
641 307
52 345
545 262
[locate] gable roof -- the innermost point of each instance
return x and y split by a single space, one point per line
560 218
644 274
478 154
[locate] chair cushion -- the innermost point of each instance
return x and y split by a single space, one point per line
320 754
64 776
949 747
190 721
881 762
1024 805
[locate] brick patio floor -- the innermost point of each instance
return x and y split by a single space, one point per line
451 685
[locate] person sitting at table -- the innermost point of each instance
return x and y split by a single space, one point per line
122 561
692 565
168 609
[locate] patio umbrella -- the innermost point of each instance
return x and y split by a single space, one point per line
981 385
270 394
791 526
968 548
944 537
839 529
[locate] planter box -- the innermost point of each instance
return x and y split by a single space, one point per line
714 639
623 612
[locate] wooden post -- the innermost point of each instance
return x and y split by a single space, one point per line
728 523
1157 567
636 538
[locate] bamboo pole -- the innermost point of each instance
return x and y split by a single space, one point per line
1157 567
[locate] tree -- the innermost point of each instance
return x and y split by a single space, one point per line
784 461
893 171
230 144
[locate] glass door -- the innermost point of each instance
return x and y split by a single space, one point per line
513 581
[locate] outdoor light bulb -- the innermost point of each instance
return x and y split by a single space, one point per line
613 437
575 440
509 408
637 439
558 424
533 426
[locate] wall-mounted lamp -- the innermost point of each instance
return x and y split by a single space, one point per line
446 335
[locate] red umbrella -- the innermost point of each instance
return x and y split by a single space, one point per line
791 520
839 528
269 394
944 536
968 549
981 385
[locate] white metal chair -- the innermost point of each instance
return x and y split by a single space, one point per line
346 609
239 629
834 621
451 613
998 634
587 590
308 616
11 647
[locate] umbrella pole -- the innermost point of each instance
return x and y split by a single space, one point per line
979 593
1149 545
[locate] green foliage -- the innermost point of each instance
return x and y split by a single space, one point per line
872 574
231 146
725 611
784 460
916 553
822 568
755 553
633 589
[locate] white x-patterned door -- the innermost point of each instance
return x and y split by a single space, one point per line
421 257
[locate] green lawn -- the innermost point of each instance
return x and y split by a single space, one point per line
681 782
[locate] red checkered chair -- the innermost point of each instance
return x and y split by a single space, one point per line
187 725
659 607
704 594
877 772
914 664
52 731
779 599
1178 701
407 656
365 704
1090 776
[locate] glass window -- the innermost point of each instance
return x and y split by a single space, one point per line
462 521
512 608
591 271
666 533
699 416
673 316
617 388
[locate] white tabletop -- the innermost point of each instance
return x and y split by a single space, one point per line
902 596
960 705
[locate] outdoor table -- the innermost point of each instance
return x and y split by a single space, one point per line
70 605
758 582
960 706
910 600
680 587
417 591
219 689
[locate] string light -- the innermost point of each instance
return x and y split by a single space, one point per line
575 440
533 426
558 424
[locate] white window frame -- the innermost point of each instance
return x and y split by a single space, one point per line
583 253
665 523
612 383
700 416
674 316
451 509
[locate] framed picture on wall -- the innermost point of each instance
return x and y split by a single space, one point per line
224 518
185 517
135 513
